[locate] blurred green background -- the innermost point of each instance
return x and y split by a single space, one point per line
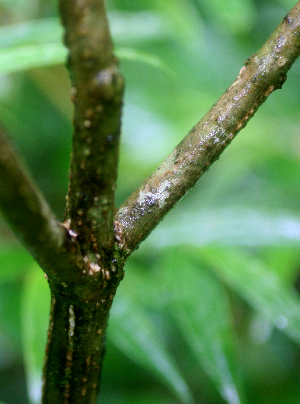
209 310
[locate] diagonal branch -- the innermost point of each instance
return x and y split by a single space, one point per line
97 95
30 216
262 73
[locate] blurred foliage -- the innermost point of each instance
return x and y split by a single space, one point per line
209 310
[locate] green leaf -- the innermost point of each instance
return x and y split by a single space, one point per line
126 27
31 32
16 59
35 314
27 57
137 56
200 306
233 225
133 331
262 288
38 43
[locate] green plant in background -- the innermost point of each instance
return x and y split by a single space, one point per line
173 314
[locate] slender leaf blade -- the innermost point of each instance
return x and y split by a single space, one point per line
262 288
231 226
136 335
200 306
46 30
20 58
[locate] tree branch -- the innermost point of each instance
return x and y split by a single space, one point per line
75 349
79 258
30 217
262 73
97 95
79 310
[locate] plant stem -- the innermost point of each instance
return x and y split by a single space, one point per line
97 95
75 348
261 74
30 216
80 308
84 257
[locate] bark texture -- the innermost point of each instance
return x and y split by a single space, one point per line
83 258
80 306
262 73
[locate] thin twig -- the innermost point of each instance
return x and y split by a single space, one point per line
262 73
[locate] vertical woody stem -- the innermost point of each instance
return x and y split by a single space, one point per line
97 95
80 307
75 350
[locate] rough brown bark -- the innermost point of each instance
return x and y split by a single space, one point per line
79 310
262 73
84 257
